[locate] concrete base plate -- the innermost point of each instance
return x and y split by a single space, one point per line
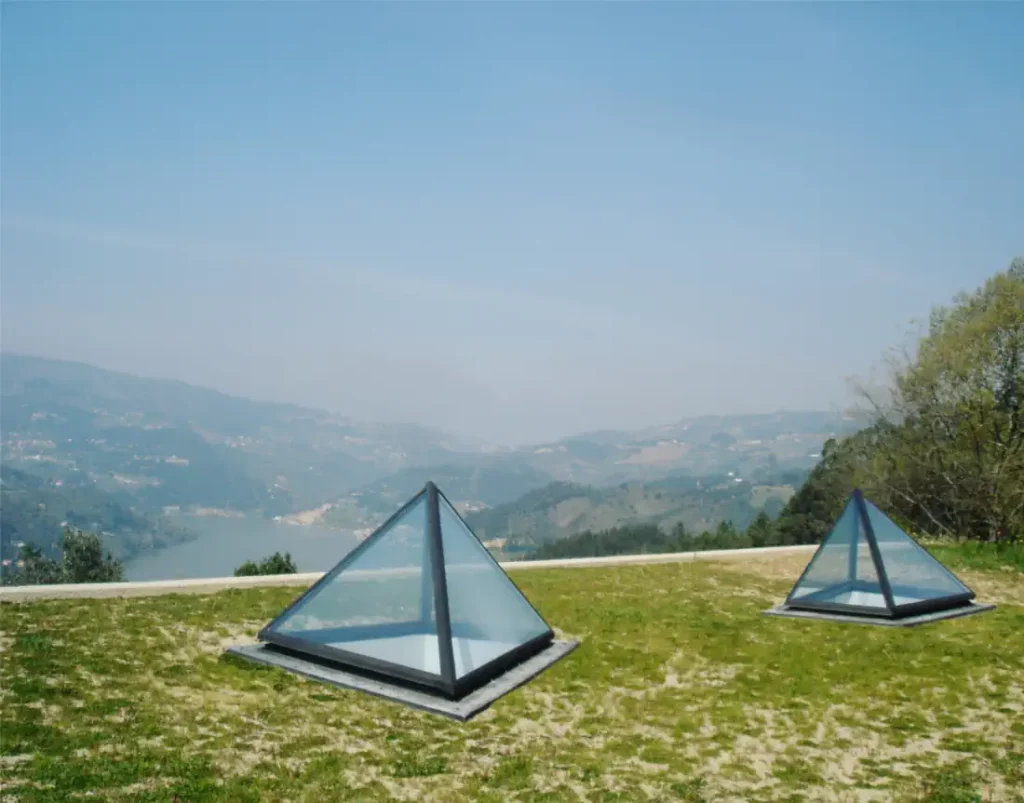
909 621
464 709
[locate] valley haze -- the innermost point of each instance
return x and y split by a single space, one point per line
161 457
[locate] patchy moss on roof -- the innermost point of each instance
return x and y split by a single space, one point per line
681 690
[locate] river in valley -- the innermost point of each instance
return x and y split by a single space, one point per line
224 544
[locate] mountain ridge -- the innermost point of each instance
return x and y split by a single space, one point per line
164 443
563 509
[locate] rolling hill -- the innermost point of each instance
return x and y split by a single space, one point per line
471 484
157 444
706 445
171 444
564 509
34 511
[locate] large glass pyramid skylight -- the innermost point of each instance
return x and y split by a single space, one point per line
868 565
421 600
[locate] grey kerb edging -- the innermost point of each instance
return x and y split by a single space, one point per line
214 584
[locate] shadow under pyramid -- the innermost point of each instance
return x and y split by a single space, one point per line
420 604
867 569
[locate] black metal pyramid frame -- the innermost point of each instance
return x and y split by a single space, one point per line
891 610
446 683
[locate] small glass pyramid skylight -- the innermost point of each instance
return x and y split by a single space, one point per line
421 601
868 566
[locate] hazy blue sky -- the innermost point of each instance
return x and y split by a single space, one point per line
515 220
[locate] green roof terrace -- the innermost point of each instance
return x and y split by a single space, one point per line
680 690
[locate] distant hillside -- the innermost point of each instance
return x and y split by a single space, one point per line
564 509
743 444
34 510
169 443
647 539
480 482
162 443
767 450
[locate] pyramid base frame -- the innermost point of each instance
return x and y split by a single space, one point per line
861 619
462 709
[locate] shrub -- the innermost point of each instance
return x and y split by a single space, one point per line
275 564
82 561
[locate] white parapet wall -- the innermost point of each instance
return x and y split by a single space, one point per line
214 584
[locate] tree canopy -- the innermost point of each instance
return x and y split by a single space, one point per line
83 560
275 564
948 451
944 450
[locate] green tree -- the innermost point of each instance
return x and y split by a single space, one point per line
760 530
949 451
810 512
83 560
275 564
34 568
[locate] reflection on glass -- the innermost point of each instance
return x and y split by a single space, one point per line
842 571
913 574
488 613
381 605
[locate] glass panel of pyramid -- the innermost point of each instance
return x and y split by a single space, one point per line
379 603
842 571
489 615
913 573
